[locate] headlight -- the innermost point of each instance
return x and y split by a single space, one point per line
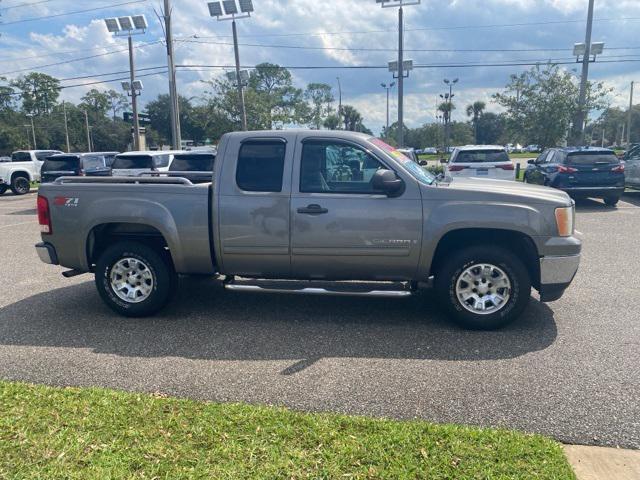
565 220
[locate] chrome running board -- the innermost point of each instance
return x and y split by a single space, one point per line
337 290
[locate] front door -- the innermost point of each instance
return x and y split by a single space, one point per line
342 228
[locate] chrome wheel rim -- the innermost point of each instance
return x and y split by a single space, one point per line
483 289
131 280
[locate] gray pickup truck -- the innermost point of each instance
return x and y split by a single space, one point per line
317 212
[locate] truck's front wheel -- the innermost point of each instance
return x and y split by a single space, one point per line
133 279
483 287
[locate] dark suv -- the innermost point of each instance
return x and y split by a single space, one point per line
73 165
579 171
198 162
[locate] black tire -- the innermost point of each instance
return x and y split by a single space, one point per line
452 268
162 272
611 201
20 185
3 189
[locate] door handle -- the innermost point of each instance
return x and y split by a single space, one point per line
313 209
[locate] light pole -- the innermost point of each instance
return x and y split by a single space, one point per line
129 26
33 130
339 104
449 98
586 50
176 135
228 10
629 116
387 88
66 126
134 90
401 64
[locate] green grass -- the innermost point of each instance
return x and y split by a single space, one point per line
93 433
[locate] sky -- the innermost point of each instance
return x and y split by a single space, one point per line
57 36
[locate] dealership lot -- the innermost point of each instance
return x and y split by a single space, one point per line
568 369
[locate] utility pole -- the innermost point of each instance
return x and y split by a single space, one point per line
629 116
134 99
602 144
66 125
176 134
387 88
400 77
33 131
86 124
243 111
340 104
578 124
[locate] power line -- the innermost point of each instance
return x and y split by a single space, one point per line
28 4
77 12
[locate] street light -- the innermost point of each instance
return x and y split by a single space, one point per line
127 27
400 64
228 10
448 98
387 88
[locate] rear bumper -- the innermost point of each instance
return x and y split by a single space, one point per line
593 191
47 253
556 274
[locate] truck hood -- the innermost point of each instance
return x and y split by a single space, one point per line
518 191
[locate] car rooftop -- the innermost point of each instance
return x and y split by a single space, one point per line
586 149
480 147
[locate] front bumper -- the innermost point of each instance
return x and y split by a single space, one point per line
47 253
594 191
556 274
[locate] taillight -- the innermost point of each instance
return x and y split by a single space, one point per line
456 168
44 216
618 169
563 169
506 166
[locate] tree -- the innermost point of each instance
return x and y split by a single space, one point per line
320 96
332 122
117 102
96 102
351 117
475 110
489 129
541 103
39 92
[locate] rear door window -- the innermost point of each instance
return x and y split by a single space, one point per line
161 160
92 162
192 163
131 162
261 166
481 156
61 164
20 157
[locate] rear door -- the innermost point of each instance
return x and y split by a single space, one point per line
594 169
253 206
341 227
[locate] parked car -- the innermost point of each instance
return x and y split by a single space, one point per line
532 149
632 170
74 164
430 151
200 162
275 211
132 164
109 157
23 169
490 161
580 171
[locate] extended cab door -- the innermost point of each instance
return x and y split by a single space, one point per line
254 191
342 228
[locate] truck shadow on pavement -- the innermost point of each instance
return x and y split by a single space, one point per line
206 322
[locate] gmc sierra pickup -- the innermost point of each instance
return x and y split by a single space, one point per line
317 212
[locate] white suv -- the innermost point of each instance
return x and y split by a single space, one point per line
23 169
484 161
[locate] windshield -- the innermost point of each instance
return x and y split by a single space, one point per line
192 163
416 170
126 162
591 158
481 156
61 164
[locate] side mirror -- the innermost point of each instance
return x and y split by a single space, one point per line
386 181
424 163
531 161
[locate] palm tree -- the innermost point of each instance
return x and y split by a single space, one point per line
475 111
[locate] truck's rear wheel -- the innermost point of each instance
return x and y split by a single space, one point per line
20 185
483 287
134 280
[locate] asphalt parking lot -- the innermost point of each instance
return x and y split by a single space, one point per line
569 369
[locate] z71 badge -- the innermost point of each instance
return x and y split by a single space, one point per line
66 201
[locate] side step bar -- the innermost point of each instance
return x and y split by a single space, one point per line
318 291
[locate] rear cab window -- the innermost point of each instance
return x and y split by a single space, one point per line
261 165
481 156
131 162
195 162
20 157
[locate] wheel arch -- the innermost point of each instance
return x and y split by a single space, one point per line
516 242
